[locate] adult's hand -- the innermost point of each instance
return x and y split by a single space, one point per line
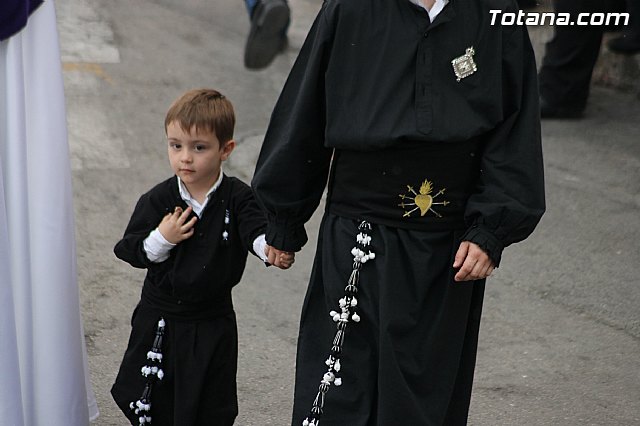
474 263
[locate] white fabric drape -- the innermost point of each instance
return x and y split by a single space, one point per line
43 368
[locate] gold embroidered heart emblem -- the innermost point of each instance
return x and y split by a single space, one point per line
422 200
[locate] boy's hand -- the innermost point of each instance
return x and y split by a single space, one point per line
173 227
279 258
474 263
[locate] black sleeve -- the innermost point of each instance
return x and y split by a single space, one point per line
143 220
251 219
293 165
510 200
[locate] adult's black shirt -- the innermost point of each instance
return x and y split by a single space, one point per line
377 73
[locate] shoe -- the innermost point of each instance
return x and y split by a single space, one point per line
267 36
554 111
625 44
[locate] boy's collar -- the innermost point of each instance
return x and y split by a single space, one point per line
438 5
184 192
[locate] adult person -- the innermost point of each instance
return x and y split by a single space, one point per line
43 368
569 59
424 119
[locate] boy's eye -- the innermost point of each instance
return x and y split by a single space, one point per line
200 148
175 145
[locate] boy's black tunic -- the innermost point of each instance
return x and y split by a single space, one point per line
192 291
373 105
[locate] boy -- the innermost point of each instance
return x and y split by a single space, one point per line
192 233
423 118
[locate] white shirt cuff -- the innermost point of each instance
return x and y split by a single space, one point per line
157 247
259 244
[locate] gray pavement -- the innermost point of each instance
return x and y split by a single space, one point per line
560 339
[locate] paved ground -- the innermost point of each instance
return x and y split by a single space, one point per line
560 340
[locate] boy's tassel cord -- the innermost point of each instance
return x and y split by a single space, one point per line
347 313
153 372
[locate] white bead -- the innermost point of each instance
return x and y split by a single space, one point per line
160 374
354 302
142 420
329 377
159 357
338 381
336 317
343 302
337 365
305 422
161 323
332 313
372 255
151 355
355 318
225 235
354 251
132 405
344 315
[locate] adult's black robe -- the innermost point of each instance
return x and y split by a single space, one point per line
191 291
374 89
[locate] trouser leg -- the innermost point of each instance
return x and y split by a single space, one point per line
570 57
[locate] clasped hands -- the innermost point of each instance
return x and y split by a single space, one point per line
280 258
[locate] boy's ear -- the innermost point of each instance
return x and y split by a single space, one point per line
227 148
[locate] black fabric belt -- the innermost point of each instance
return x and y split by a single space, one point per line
413 185
178 309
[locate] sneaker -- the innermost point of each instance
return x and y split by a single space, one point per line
267 36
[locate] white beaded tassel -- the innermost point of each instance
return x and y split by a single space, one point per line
153 372
347 313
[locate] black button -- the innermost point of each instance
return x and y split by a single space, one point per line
426 34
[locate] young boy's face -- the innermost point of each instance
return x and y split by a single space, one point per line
196 156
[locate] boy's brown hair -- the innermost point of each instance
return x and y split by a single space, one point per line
207 110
